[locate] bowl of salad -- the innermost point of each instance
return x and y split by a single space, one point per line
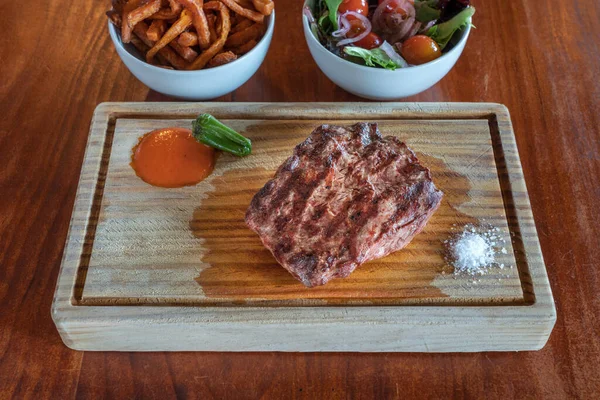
386 49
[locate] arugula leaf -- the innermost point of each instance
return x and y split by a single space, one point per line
442 33
374 57
427 11
323 18
332 6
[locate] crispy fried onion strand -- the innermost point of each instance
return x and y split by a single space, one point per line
142 12
168 13
125 8
186 52
212 21
157 29
184 21
188 39
239 38
244 12
246 47
199 21
240 26
216 47
165 55
265 7
221 59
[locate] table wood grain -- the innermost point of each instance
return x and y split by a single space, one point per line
540 58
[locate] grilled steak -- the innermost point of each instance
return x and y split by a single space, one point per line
346 196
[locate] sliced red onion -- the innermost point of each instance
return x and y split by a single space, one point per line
344 27
414 30
361 17
378 11
428 25
366 23
306 11
402 33
406 28
389 50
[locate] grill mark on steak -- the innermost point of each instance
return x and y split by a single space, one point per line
322 181
346 196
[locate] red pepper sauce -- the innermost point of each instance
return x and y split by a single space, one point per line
171 158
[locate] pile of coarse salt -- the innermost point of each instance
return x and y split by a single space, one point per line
473 250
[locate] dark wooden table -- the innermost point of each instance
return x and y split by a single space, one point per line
540 58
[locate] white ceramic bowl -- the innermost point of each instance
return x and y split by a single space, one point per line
378 83
195 85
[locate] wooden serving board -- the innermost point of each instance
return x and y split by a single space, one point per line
148 268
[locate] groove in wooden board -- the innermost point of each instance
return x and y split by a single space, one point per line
468 327
94 210
116 280
304 111
508 194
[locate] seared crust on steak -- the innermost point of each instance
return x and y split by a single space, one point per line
346 196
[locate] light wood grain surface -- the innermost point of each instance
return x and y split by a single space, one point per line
136 254
145 252
539 58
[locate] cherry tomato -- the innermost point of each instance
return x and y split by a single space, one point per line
356 27
420 49
369 42
358 6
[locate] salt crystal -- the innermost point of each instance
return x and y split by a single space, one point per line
503 251
471 252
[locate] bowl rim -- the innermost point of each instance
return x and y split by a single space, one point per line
117 42
309 33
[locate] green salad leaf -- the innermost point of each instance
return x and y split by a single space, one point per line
332 6
374 57
426 10
323 18
442 33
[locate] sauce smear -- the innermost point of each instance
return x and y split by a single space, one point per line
171 157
